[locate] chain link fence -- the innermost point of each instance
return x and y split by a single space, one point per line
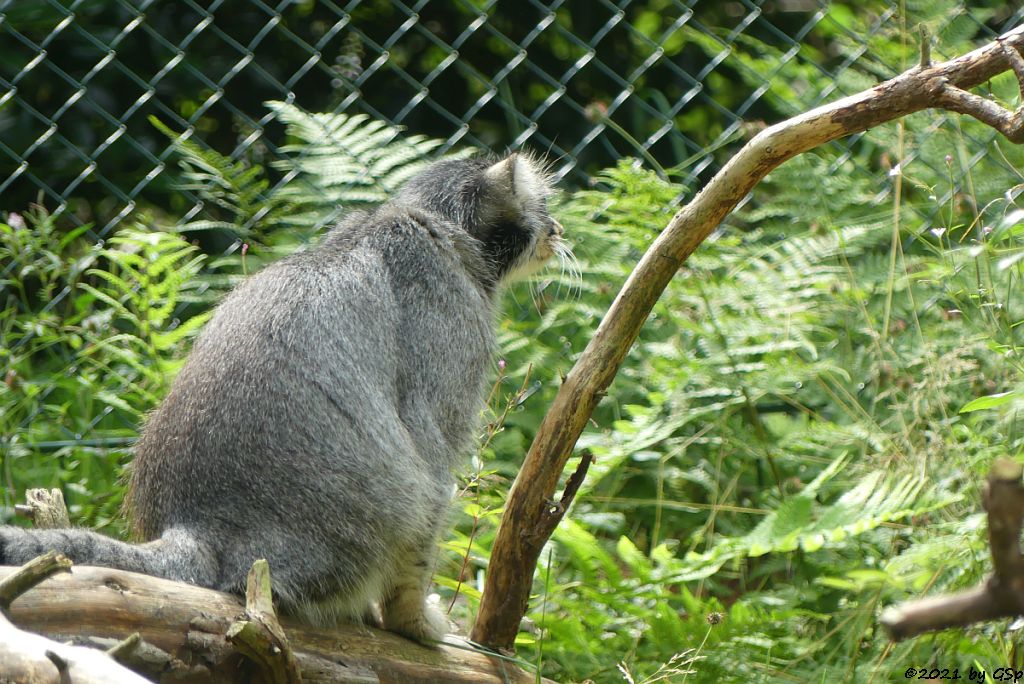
586 82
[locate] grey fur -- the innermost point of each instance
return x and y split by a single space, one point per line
322 410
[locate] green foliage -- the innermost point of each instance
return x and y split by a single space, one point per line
332 162
800 522
342 161
149 275
235 190
90 336
765 447
792 405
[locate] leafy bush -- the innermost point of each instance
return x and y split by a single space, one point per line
91 337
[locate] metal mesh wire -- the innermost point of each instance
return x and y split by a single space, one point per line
584 81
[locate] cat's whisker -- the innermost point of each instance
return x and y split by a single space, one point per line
536 294
565 271
570 267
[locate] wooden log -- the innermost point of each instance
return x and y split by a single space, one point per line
189 624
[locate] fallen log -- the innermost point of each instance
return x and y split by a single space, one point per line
183 635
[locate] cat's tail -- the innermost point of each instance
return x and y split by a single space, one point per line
177 555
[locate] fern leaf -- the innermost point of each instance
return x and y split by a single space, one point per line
800 522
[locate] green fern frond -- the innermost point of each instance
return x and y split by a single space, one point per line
238 189
801 522
332 162
149 277
345 160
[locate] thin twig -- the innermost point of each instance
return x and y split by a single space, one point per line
30 574
926 46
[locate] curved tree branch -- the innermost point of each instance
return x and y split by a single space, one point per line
523 530
1002 595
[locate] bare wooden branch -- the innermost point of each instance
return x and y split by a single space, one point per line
975 605
189 625
1016 63
926 46
259 636
124 648
45 508
1004 501
508 586
146 659
1002 595
29 575
962 102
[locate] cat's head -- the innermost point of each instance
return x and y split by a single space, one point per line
503 204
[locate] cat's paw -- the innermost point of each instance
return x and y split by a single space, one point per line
426 624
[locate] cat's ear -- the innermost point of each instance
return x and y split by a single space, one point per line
517 180
501 177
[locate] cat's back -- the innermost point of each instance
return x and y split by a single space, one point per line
321 353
